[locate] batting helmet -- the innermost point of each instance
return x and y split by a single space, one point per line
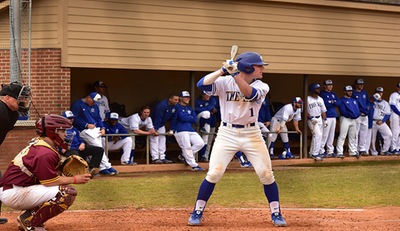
247 60
48 126
313 87
297 100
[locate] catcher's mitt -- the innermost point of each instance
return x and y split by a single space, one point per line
74 165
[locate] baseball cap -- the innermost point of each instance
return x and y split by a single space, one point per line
184 94
376 96
95 96
297 100
13 89
348 88
113 116
359 81
398 85
68 114
379 89
99 84
328 82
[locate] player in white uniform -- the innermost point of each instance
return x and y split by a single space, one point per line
380 116
139 123
287 113
103 104
241 95
316 119
394 102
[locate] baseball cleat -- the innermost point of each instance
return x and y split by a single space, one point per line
197 168
182 159
157 161
166 161
278 220
246 164
106 172
128 163
195 218
317 157
113 171
341 156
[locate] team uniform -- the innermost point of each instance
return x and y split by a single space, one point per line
381 114
264 116
315 108
394 102
120 142
362 121
134 122
84 115
238 131
278 122
188 139
331 101
206 120
104 107
349 112
162 113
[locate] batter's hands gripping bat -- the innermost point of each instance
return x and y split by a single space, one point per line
230 65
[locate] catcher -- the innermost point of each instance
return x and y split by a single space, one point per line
32 181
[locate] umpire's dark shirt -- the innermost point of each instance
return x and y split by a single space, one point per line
7 120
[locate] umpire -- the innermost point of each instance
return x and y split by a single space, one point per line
15 98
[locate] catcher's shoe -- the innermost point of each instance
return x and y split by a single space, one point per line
195 218
24 224
278 220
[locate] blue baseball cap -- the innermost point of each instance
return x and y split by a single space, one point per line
95 96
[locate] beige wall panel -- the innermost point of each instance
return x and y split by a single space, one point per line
44 24
196 35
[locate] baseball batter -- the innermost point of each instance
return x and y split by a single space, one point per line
349 112
316 119
287 113
380 116
394 102
240 95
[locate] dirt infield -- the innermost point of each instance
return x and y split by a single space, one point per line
221 219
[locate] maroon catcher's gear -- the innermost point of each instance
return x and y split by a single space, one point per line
48 126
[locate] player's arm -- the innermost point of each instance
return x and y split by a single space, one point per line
245 88
296 126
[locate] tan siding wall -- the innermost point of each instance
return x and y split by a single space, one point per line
197 35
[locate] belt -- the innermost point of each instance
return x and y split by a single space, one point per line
238 125
312 117
376 120
363 114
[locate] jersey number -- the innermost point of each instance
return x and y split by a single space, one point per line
251 112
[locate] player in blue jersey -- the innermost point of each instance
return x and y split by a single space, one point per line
331 101
361 96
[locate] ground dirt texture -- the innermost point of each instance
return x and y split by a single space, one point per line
221 219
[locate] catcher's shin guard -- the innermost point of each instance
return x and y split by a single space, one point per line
62 201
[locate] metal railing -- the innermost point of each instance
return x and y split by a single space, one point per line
202 133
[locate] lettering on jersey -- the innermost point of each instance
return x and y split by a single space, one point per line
234 96
92 110
314 105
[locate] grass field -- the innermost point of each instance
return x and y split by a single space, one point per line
325 185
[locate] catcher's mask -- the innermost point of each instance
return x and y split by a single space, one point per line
22 93
49 125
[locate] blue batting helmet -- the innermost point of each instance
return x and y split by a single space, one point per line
247 60
313 87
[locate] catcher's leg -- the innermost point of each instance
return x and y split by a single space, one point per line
2 219
51 208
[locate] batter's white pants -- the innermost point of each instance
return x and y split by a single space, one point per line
105 163
124 144
275 125
328 135
249 141
316 131
362 130
190 143
158 145
395 128
347 127
386 135
23 198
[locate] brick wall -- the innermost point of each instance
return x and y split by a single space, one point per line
50 85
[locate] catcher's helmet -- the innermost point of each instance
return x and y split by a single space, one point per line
48 126
247 60
313 87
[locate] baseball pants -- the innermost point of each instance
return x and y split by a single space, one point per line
275 124
190 143
158 145
362 131
316 131
89 139
395 128
328 135
124 144
347 127
386 135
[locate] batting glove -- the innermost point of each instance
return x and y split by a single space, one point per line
231 67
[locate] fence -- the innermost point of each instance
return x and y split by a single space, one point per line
206 133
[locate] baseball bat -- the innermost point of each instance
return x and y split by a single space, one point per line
234 51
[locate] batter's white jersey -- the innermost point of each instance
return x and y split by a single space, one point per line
381 109
235 108
315 106
134 122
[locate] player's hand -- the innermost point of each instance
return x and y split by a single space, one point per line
82 147
314 121
231 67
325 124
170 133
82 179
298 131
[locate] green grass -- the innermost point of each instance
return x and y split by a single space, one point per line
323 185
